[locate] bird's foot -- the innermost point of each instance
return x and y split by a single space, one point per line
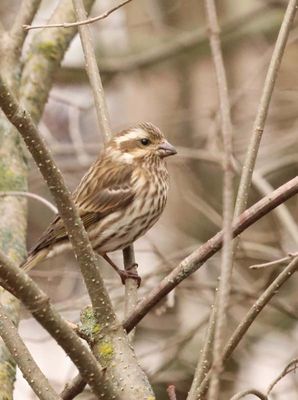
128 274
124 273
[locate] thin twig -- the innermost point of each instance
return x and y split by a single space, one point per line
93 72
204 362
254 392
291 367
182 43
197 258
259 124
222 300
274 262
250 317
79 23
30 370
34 196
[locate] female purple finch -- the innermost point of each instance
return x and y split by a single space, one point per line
121 196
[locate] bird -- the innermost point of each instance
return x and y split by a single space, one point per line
119 199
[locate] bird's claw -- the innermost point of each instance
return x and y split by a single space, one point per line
127 274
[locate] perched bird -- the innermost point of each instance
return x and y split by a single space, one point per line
121 196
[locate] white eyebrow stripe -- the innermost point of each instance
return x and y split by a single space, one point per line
133 134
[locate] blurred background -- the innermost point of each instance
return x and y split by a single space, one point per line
155 64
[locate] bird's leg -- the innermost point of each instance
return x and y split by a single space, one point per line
124 274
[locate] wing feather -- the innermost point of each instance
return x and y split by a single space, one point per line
105 188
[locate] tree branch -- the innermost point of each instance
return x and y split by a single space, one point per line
113 364
292 366
196 259
254 392
44 57
259 124
38 304
25 15
81 22
131 285
110 330
223 296
250 317
24 360
72 389
31 196
93 72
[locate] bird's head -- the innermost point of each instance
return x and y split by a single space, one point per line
142 142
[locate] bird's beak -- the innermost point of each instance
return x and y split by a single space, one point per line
166 149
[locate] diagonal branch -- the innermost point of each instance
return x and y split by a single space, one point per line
24 360
39 305
196 259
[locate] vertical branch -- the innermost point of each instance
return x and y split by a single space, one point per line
93 72
222 300
104 123
131 285
262 112
25 15
250 317
23 358
204 362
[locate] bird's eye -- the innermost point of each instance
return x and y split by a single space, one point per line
145 141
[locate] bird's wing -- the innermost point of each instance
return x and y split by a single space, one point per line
101 192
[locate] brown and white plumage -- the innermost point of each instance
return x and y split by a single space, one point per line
121 196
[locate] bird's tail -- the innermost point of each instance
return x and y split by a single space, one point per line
33 260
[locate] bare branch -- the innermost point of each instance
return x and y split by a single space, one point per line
274 262
47 49
222 300
112 331
79 23
263 107
131 285
196 259
251 315
39 305
291 367
254 392
93 72
115 373
204 362
24 360
72 389
25 15
34 196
